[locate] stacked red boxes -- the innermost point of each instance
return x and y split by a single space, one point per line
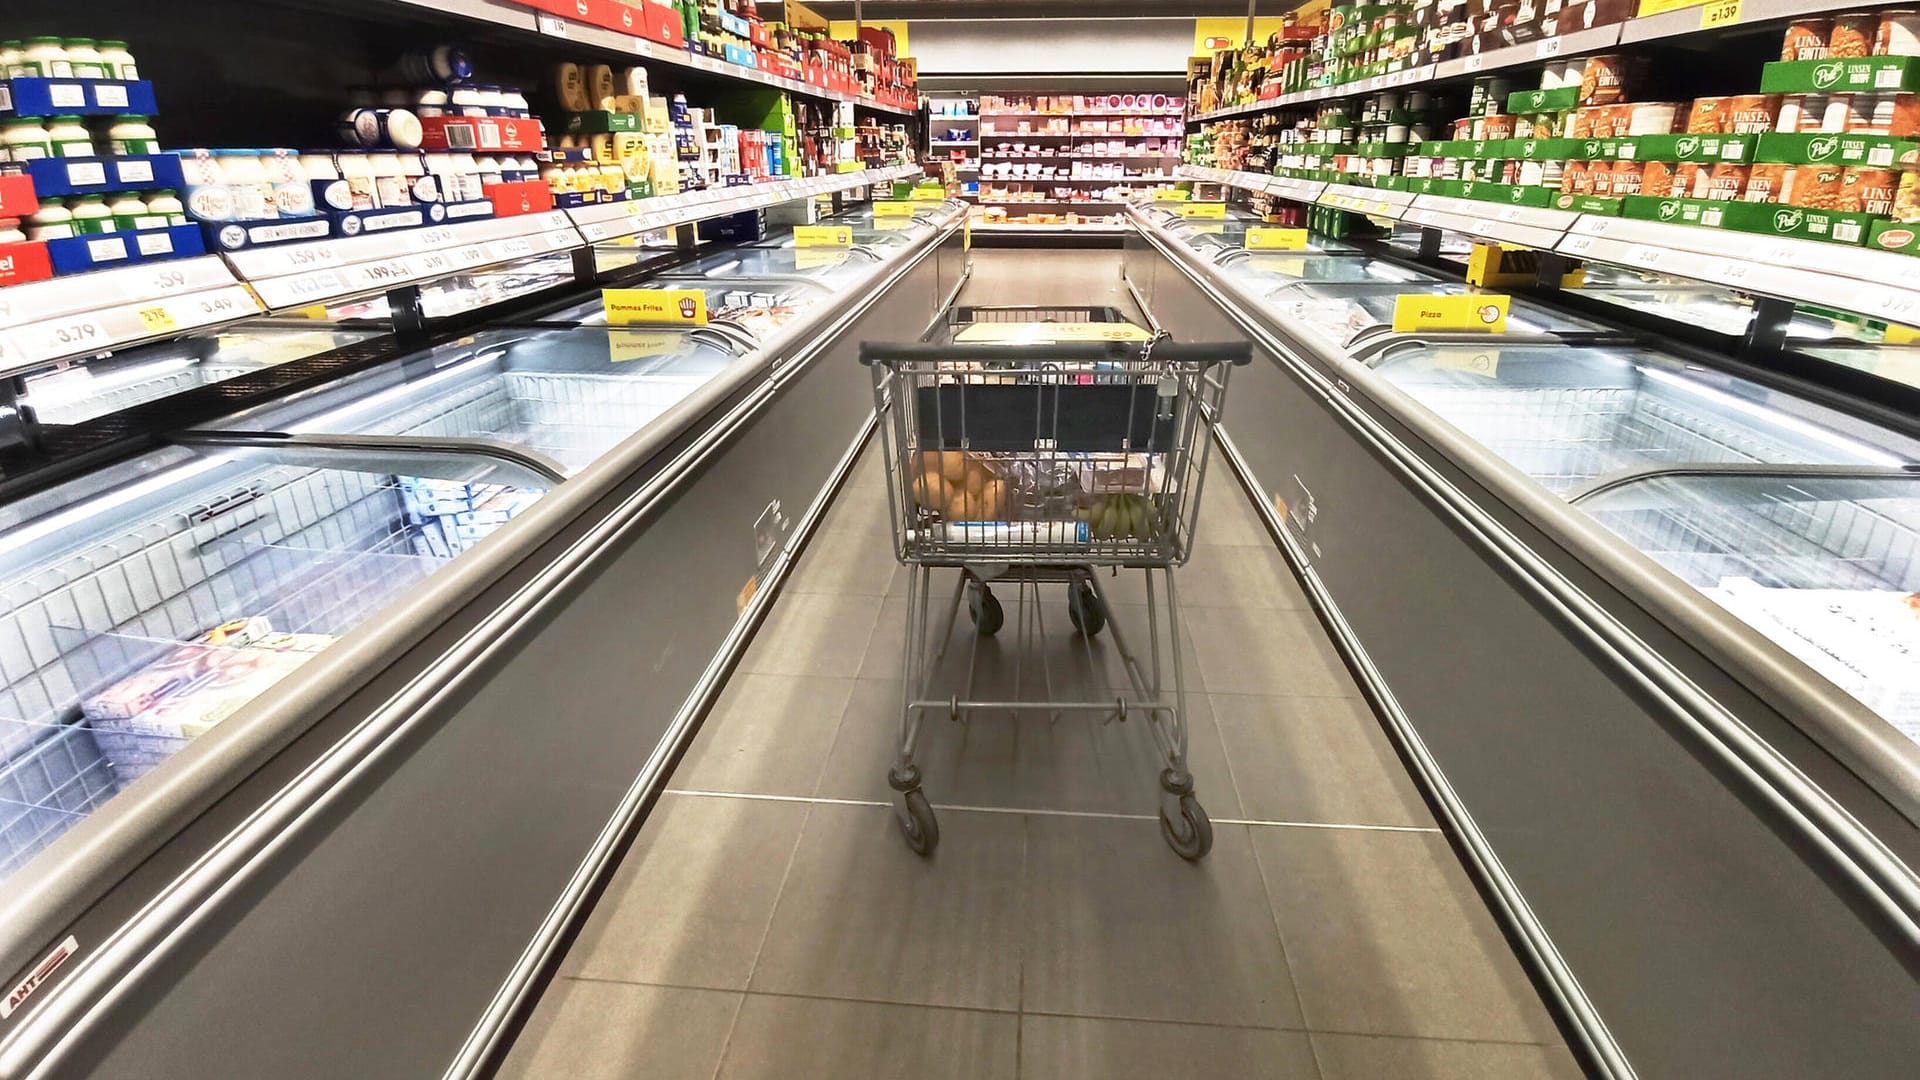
21 263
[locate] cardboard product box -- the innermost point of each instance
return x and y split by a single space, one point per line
1870 74
599 122
1872 151
1538 101
520 197
1543 149
1898 236
77 97
1510 194
21 263
482 133
1591 13
1732 149
1589 204
17 199
1769 219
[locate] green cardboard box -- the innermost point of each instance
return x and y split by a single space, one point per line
1537 101
1872 151
1382 149
1544 149
1894 236
1508 194
601 122
1393 183
1672 211
1733 149
1870 74
1598 149
1768 219
1589 204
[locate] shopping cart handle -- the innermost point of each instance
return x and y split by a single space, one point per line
1238 353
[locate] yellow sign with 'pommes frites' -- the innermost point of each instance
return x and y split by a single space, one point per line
1485 312
1276 239
886 208
823 236
654 307
1203 210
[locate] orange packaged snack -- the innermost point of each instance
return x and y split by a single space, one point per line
1868 191
1657 179
1708 116
1726 181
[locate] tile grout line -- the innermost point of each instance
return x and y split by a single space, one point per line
1020 996
766 931
1057 1015
1044 812
1280 938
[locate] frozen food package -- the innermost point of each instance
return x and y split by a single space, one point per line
226 680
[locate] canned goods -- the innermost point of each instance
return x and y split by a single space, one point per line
1816 187
1620 119
1551 171
1708 116
1657 179
1897 114
1602 80
1726 181
1868 191
1650 118
1767 182
1899 34
1627 176
1599 179
1582 124
360 128
1837 115
1498 127
1806 40
1750 114
1853 35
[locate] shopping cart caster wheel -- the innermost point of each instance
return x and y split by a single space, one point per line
985 610
1191 837
917 823
1083 610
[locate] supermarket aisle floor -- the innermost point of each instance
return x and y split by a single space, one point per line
770 922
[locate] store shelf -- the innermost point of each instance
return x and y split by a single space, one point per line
85 314
1879 284
984 201
1088 112
1060 229
324 271
938 143
610 221
515 17
1683 21
1578 43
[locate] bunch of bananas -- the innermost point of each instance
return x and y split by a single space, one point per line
1122 517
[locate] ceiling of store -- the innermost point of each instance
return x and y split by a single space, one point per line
1044 9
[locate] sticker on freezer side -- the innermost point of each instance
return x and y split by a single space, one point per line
1486 312
41 972
654 307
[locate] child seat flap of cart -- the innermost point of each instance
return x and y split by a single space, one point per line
1030 447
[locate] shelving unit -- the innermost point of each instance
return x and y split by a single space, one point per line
1876 283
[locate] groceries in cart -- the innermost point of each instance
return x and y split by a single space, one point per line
1072 499
142 719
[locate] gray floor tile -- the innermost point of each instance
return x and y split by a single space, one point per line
1075 763
768 734
787 1038
863 917
1387 936
1119 926
1218 575
1079 1048
1245 651
851 552
1226 516
1364 1057
813 634
1321 759
690 902
594 1030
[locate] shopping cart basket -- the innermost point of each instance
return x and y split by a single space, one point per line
1036 464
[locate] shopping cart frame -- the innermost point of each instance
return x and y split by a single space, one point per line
1133 419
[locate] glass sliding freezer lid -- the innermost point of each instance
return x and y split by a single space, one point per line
1894 362
1339 312
1569 416
1270 270
88 389
1224 236
1827 567
832 268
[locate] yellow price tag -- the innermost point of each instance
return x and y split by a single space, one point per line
1467 311
893 208
1901 335
157 319
1169 195
823 236
654 307
1718 13
1276 239
1214 210
929 194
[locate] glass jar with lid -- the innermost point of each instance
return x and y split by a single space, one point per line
10 232
26 140
120 62
84 59
128 211
466 101
90 215
132 135
43 58
9 56
69 137
166 204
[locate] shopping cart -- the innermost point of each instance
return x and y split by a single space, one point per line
1034 464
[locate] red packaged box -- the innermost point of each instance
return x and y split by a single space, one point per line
659 22
16 197
758 34
482 133
21 263
520 197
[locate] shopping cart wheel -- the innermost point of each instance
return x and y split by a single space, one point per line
1192 836
917 822
985 610
1083 610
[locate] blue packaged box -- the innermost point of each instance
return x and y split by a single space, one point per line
55 178
77 97
99 251
740 54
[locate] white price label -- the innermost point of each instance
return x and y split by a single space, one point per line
389 272
224 305
70 335
1481 226
1474 62
134 172
1732 270
110 95
550 25
67 95
516 247
1577 245
1549 46
165 281
1894 305
1645 256
309 286
434 262
86 173
299 258
1512 214
471 255
436 237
